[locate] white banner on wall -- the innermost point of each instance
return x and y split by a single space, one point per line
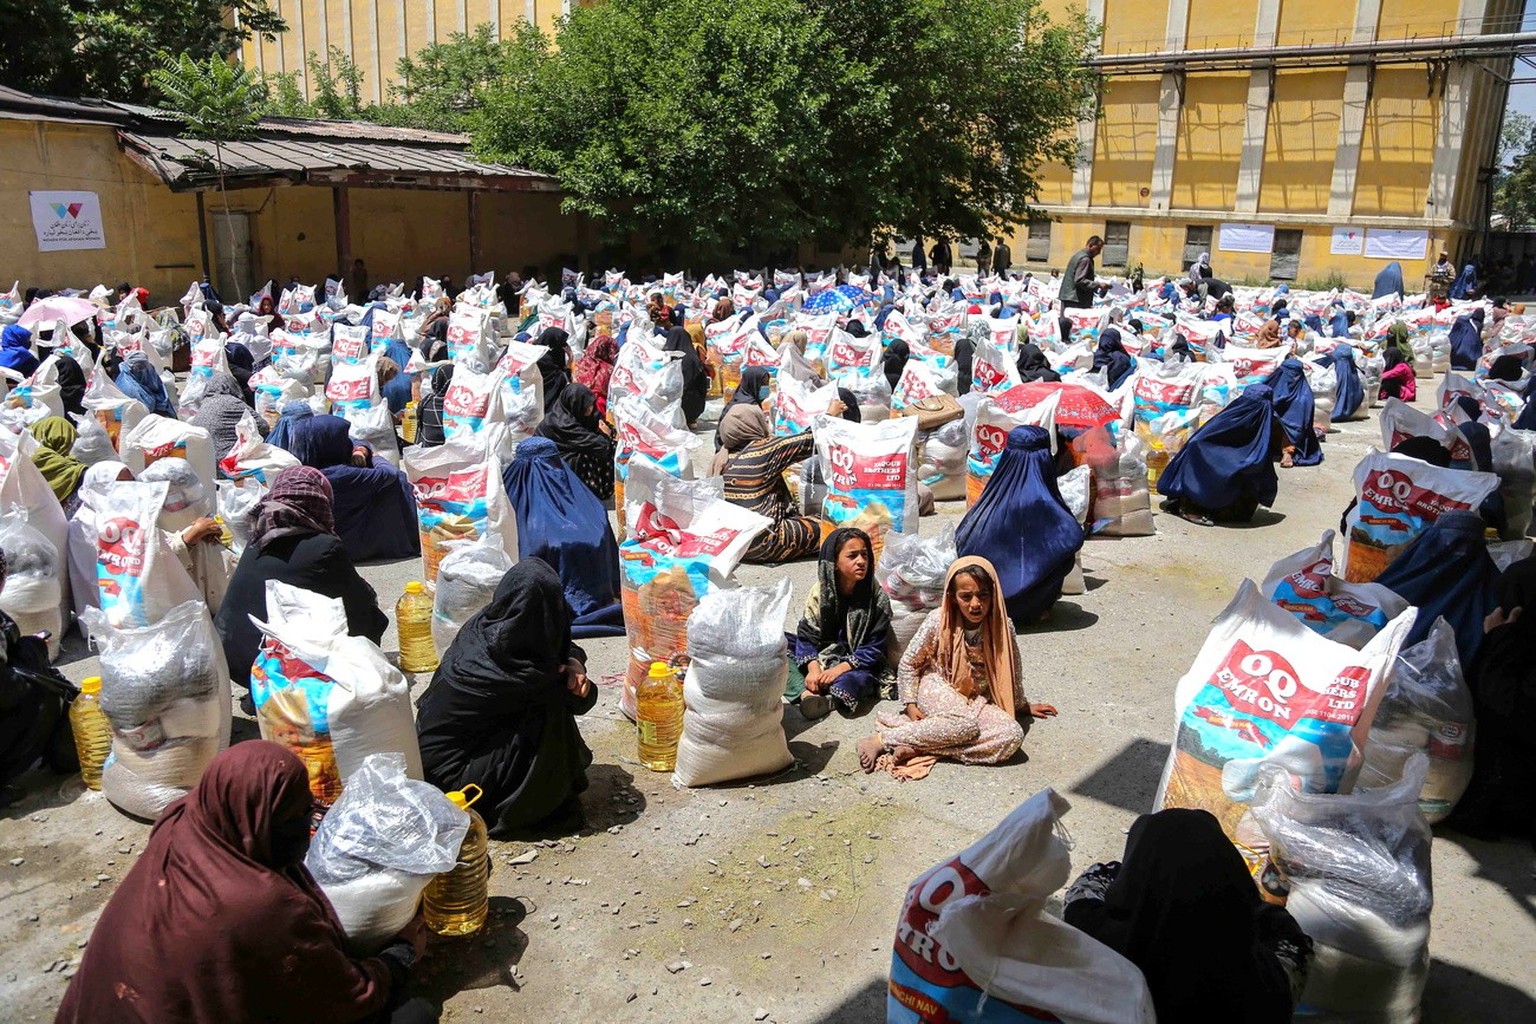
1247 238
67 220
1392 244
1347 242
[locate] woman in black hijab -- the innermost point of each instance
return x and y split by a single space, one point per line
1112 358
71 381
581 435
1183 908
429 413
501 710
1034 366
896 355
695 380
554 364
753 389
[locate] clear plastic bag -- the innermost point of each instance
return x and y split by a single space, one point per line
237 501
186 499
1428 710
92 444
467 578
733 693
1358 870
34 579
379 846
912 571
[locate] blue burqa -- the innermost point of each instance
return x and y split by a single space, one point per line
375 506
1338 327
1023 527
1389 281
1467 341
1351 393
561 521
1294 405
16 350
1465 284
1446 571
1229 462
281 435
138 380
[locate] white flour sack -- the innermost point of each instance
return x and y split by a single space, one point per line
996 416
871 472
734 691
331 698
459 496
115 411
975 945
1266 690
157 437
1397 498
165 692
1348 613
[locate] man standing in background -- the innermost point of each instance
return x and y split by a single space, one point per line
1002 258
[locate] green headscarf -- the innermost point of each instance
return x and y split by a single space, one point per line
1398 338
55 437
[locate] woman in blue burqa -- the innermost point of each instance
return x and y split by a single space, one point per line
561 521
138 380
375 506
1227 468
1022 526
1466 340
1295 404
1465 285
1351 394
1389 281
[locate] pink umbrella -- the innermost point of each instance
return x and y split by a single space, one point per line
58 307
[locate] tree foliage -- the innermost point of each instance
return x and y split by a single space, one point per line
1514 175
110 48
749 125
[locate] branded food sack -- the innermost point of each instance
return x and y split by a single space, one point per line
1397 498
1348 613
1401 421
351 344
682 546
796 405
272 391
995 417
467 579
354 387
975 942
871 476
641 433
522 389
165 692
331 698
138 577
472 403
378 847
156 437
1266 690
252 457
733 693
1427 710
459 496
993 369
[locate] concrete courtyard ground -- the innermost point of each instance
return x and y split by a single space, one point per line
778 898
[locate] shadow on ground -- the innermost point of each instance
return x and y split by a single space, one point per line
1127 780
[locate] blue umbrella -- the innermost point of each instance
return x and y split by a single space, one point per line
830 300
855 295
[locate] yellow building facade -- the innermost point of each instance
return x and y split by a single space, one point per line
1341 131
377 33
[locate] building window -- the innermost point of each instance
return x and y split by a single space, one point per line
1285 259
1197 239
1117 243
1038 248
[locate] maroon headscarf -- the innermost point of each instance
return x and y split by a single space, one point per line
596 367
217 921
300 503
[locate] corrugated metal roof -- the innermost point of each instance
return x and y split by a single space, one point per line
317 158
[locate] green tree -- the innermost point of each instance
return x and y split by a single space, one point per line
338 85
219 102
109 48
443 83
1514 172
746 126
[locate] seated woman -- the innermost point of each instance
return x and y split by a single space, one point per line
595 369
1182 907
1398 379
501 709
695 378
1112 358
753 389
228 924
374 505
561 522
1034 365
960 681
187 521
753 462
16 350
1023 527
138 380
837 652
582 437
293 413
1296 406
222 409
1466 338
1225 471
430 428
294 541
55 439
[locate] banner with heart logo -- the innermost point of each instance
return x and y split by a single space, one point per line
67 220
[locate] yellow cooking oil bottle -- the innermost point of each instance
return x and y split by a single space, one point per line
457 901
413 620
659 715
408 423
93 733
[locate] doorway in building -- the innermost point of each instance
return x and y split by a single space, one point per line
232 255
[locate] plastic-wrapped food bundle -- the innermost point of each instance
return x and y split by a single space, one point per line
378 847
331 698
138 578
974 942
467 579
1514 460
1427 709
1122 496
116 412
459 496
1358 871
157 437
165 690
734 690
33 583
1076 486
941 465
252 457
92 443
237 501
912 571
